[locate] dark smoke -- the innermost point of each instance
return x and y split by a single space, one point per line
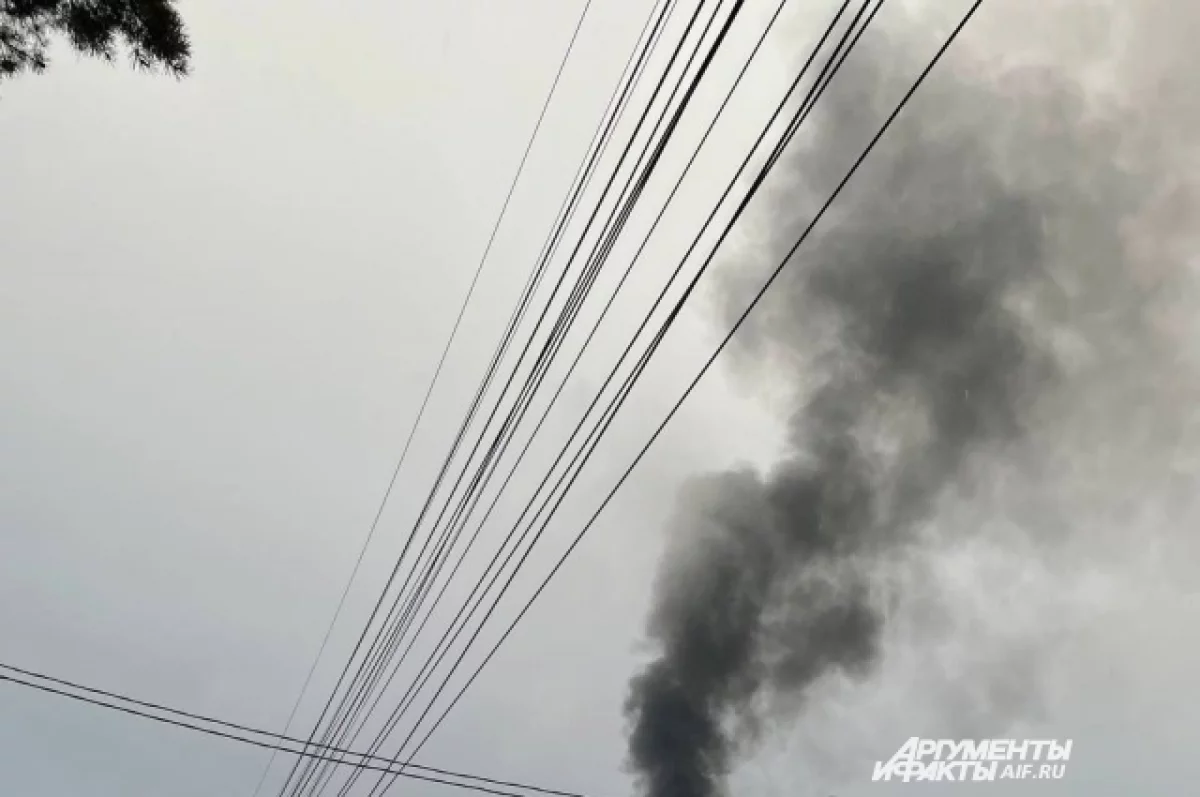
906 330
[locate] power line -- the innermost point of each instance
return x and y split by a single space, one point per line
550 347
542 264
468 501
593 437
539 365
595 327
630 195
502 348
583 455
645 360
244 729
433 382
436 657
598 259
472 612
552 344
758 297
395 570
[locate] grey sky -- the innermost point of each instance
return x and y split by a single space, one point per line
221 301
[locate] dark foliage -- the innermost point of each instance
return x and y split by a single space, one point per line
151 31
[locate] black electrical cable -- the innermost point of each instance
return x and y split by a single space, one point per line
566 213
468 502
462 431
395 570
432 384
637 334
754 302
233 726
448 541
628 385
482 471
606 142
602 254
608 244
562 383
549 348
587 342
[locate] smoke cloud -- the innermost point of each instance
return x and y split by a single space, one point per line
1001 300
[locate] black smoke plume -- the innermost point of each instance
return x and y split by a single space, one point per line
907 332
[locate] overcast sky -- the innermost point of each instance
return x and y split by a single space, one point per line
222 299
